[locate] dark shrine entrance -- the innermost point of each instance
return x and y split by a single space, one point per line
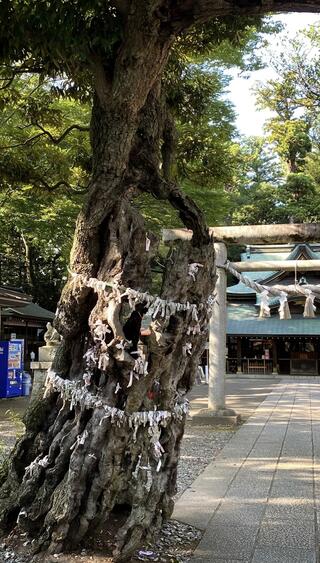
278 355
298 356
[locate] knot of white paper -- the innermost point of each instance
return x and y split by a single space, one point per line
187 349
100 330
194 269
87 379
44 462
158 450
264 304
284 311
80 440
309 307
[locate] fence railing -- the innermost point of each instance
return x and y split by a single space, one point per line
249 365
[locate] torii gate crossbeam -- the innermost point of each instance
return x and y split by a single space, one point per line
254 234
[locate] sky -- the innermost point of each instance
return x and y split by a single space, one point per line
250 121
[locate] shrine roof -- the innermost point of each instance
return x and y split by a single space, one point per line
30 310
10 296
273 326
243 320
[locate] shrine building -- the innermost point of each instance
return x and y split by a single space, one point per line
269 345
22 319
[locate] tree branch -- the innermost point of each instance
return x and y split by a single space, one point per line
189 213
144 165
145 175
168 146
54 140
8 82
58 140
26 142
22 69
185 13
53 187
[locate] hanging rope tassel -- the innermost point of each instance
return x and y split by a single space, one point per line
264 305
284 311
309 306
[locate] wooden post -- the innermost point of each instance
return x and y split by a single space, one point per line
239 355
274 356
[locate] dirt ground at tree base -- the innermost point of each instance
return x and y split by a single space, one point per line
175 544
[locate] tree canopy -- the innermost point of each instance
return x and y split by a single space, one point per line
44 173
46 160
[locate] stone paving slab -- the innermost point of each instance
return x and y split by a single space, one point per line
287 533
259 502
244 395
221 543
284 555
281 508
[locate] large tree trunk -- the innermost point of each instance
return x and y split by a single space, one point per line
77 465
79 462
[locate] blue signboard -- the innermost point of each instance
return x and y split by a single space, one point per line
10 369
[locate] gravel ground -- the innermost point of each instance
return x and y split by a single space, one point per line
11 427
176 541
200 445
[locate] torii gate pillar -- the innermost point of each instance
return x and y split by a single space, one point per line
217 336
217 412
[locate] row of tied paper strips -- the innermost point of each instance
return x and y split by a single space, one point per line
98 356
76 394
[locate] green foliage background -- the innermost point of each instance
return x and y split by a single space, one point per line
275 178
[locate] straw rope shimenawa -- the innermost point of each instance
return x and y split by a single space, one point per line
280 291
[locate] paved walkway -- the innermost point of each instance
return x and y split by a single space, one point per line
243 394
259 501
